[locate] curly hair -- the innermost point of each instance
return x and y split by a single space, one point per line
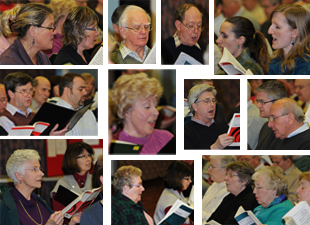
61 8
5 20
124 176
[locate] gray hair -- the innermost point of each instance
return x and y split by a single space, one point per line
124 17
224 159
291 106
274 89
196 91
124 176
17 160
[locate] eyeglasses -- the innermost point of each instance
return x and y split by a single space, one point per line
25 92
261 102
49 28
147 28
207 100
136 185
213 167
92 29
84 156
191 28
272 119
257 187
2 100
35 169
231 175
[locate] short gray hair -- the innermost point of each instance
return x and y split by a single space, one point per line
124 17
274 89
224 159
291 106
17 160
124 176
196 91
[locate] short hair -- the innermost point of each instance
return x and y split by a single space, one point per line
14 80
274 178
124 176
291 106
305 176
224 159
67 81
273 88
175 174
179 14
117 14
98 171
6 19
249 90
124 17
196 91
61 8
128 89
74 26
30 14
69 163
17 160
243 169
218 2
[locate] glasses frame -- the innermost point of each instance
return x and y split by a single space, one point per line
25 92
261 102
272 119
191 29
85 156
141 28
49 28
96 29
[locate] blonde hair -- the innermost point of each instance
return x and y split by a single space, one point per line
127 89
61 8
124 176
5 20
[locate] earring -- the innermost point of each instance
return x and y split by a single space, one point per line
33 42
238 46
293 42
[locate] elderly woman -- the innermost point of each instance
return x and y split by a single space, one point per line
80 32
76 164
303 192
290 30
34 26
94 213
133 99
126 205
177 179
246 44
19 205
203 132
238 183
271 193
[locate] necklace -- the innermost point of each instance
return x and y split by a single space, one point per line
30 216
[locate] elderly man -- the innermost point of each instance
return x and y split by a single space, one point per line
267 94
302 89
202 132
134 27
290 171
188 23
254 160
218 190
287 122
41 92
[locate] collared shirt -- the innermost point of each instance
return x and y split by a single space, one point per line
202 123
299 130
126 51
178 41
86 126
8 124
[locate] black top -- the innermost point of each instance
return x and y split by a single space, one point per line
68 55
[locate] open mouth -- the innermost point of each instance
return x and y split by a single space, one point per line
152 123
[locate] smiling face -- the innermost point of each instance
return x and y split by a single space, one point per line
228 39
84 161
303 192
264 109
192 18
233 183
263 195
32 178
204 111
141 118
134 191
89 41
44 37
282 33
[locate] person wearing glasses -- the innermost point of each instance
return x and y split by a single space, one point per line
126 201
203 132
76 164
80 32
20 205
267 94
35 29
239 37
189 24
239 184
287 123
271 189
177 179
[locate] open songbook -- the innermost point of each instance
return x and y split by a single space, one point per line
246 217
299 215
151 57
234 129
36 129
124 147
231 66
185 59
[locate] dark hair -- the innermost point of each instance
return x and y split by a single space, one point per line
175 174
273 88
69 164
243 169
13 80
179 14
117 14
67 81
31 14
98 171
254 40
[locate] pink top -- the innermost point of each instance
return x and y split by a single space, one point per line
152 143
4 44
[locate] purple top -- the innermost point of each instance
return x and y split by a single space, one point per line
152 143
57 45
31 208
